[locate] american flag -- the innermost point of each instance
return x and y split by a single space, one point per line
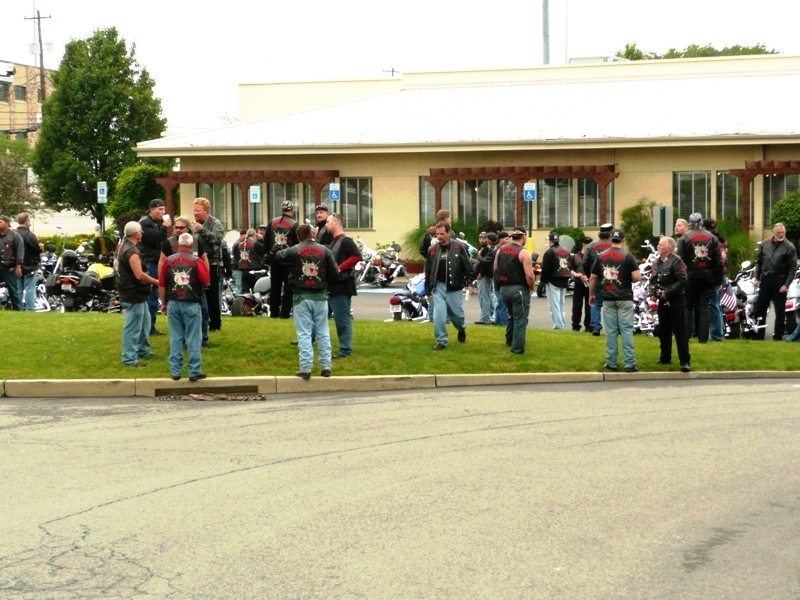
728 298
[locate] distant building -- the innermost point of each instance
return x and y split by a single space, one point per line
21 100
719 136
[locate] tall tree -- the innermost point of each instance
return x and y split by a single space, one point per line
631 52
102 106
15 196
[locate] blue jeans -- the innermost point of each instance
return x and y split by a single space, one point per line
340 306
184 326
715 328
486 298
135 344
618 315
555 302
14 285
152 298
29 286
500 310
517 300
204 317
597 322
311 319
448 305
795 336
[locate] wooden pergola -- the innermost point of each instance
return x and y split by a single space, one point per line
601 174
753 168
243 180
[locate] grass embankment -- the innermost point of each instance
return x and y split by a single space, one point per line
87 346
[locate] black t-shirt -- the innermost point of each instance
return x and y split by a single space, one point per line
441 272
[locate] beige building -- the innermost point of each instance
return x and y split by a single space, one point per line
21 100
719 136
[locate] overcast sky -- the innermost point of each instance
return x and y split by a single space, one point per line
198 53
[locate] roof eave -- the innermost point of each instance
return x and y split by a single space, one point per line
464 146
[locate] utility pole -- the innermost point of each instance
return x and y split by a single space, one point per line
38 18
546 31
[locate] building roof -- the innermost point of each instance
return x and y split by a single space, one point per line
706 101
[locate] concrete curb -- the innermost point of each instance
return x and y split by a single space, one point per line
109 388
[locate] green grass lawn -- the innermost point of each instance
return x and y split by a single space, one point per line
86 345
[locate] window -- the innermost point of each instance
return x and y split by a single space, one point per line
217 195
775 188
277 193
20 92
427 200
4 87
729 197
310 202
589 204
236 208
474 201
21 135
356 208
691 193
39 95
555 203
507 206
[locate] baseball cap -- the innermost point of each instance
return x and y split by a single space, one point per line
502 234
5 218
606 227
482 234
518 232
287 205
321 207
587 240
156 203
492 237
553 237
618 235
262 226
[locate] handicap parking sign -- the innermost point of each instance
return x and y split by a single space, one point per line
529 192
333 192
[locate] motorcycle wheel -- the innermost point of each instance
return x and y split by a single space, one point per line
735 331
385 283
541 290
241 307
398 316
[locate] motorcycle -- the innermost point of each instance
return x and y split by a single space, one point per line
378 267
793 303
78 283
411 304
256 302
746 295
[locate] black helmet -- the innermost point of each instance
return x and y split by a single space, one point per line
69 259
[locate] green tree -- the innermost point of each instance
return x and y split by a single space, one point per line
102 106
14 194
631 52
787 211
136 187
637 223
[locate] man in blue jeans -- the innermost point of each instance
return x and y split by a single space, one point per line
134 287
516 280
346 254
181 279
311 270
594 250
447 271
614 272
154 232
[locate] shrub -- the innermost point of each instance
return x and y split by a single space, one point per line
787 211
136 187
637 223
574 232
740 246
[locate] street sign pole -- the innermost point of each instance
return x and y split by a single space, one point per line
102 200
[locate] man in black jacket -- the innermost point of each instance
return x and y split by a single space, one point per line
447 271
699 250
311 270
154 231
776 265
30 264
485 274
668 285
281 234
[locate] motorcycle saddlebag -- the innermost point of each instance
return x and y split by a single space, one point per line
89 286
53 285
